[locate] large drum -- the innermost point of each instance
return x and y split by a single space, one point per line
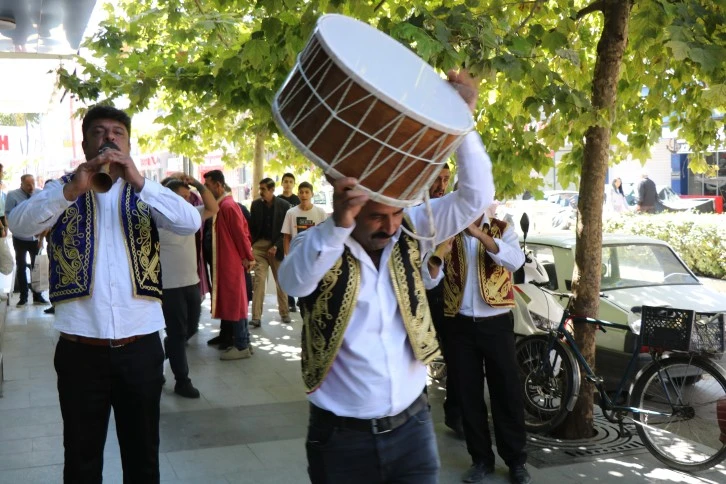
360 104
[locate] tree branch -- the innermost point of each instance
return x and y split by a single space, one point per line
597 5
531 14
380 4
219 35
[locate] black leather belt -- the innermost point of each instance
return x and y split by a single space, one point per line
480 319
110 343
374 425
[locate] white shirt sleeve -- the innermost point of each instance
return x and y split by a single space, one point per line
39 212
429 282
510 255
455 211
287 223
169 210
312 253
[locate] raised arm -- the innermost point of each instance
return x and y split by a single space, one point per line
211 207
40 212
455 211
169 210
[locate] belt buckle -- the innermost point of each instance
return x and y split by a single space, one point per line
374 427
110 344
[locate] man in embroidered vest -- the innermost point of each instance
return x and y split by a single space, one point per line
105 283
231 256
478 297
367 331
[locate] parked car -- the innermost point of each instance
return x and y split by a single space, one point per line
669 200
635 271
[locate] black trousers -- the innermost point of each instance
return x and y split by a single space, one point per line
435 297
91 381
22 249
470 345
182 308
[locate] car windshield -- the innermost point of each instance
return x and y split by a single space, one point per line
642 265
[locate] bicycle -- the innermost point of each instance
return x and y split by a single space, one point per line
677 401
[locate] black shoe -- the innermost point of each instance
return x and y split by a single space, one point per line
214 341
186 389
293 309
40 300
50 310
477 472
518 474
22 303
455 425
255 323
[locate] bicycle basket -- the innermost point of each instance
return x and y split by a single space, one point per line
707 337
676 330
667 328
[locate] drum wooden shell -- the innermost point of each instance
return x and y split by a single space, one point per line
347 129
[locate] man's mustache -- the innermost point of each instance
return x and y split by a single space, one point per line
381 235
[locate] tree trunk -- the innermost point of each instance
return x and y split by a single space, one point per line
588 252
258 164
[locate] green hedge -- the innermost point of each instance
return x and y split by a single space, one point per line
700 239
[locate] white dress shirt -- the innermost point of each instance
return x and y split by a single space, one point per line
111 312
375 373
179 258
510 256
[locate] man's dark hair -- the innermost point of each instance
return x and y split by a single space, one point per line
174 185
100 111
289 175
167 180
268 182
446 167
307 185
216 176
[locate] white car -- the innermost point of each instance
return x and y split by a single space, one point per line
635 271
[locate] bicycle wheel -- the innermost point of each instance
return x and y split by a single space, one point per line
684 420
546 388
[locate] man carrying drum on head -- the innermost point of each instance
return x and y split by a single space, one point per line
367 331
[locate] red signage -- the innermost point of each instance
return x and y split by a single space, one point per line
4 143
207 168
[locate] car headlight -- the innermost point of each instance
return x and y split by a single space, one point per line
542 322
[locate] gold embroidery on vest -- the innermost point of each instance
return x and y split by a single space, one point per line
455 270
418 323
72 265
142 267
496 288
320 352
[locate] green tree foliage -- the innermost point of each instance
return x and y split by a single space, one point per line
211 70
